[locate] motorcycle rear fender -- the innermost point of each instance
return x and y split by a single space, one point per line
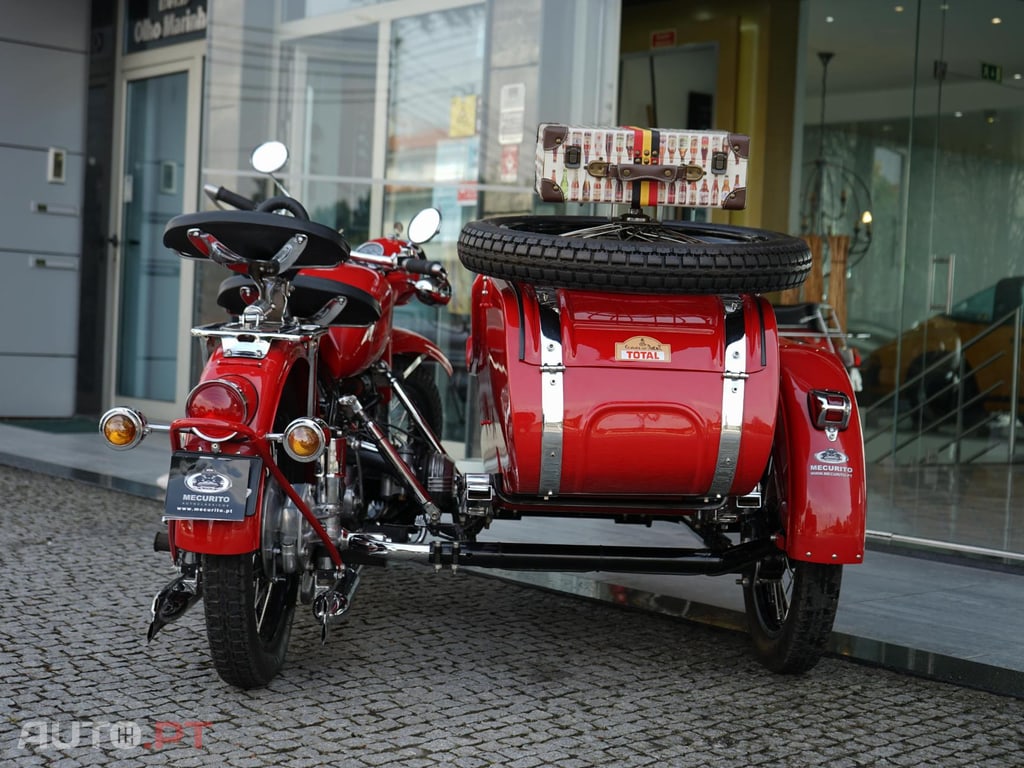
405 342
825 506
281 379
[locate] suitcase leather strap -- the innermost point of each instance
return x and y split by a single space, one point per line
666 173
646 152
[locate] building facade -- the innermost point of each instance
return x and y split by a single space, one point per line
888 131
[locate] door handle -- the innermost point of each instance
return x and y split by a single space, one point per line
950 263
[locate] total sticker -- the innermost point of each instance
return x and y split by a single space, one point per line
643 348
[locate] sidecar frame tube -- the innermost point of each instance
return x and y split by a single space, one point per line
561 557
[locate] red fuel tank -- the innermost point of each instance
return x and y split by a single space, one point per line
359 336
612 394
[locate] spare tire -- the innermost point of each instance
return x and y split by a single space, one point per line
594 253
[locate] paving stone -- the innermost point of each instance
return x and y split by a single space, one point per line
429 670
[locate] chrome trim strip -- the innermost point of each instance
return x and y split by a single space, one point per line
733 389
271 331
552 399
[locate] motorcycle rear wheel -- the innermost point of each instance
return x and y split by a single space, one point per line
634 256
248 618
791 607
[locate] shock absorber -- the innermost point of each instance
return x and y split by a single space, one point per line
394 459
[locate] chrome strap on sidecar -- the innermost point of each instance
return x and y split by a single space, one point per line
551 395
733 389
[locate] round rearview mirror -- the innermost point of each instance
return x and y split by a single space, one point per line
269 157
424 225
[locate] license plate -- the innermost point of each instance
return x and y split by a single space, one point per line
205 487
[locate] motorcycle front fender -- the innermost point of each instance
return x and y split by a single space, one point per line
825 498
405 342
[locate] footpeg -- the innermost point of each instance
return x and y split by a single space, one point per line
332 603
171 603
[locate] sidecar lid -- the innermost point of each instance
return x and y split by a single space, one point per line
257 236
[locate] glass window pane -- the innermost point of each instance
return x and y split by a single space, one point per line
154 163
433 160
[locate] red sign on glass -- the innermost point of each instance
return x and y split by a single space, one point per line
663 38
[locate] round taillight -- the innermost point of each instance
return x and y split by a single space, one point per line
122 428
232 400
305 439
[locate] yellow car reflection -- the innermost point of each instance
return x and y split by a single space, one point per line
964 358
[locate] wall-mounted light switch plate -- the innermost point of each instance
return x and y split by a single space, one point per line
56 166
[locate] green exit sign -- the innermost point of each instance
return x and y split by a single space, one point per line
991 72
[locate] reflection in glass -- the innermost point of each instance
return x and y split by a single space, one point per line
432 161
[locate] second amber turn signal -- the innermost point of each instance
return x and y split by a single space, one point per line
122 428
305 439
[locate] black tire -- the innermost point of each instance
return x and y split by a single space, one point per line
247 651
791 607
665 257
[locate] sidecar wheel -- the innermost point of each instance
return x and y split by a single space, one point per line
248 618
596 253
791 607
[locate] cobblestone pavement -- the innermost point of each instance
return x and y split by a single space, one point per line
430 670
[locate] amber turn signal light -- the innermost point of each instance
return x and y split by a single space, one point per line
123 428
305 439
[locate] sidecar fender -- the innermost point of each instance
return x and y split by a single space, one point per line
825 505
405 342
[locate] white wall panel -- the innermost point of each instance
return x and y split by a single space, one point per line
52 23
43 90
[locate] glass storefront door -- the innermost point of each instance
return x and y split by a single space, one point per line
959 359
154 285
151 275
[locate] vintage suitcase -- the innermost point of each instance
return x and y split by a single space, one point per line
641 166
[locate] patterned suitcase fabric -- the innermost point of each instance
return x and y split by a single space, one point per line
641 166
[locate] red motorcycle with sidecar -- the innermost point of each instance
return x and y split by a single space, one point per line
628 369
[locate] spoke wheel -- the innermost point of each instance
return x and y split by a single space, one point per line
791 607
248 618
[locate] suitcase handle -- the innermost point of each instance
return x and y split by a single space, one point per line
667 173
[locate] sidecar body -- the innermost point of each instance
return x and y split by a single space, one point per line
664 406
